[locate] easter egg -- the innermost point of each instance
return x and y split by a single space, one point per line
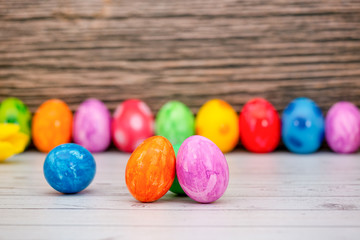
175 187
302 126
51 125
69 168
133 122
218 121
92 126
12 140
150 171
202 170
175 121
342 127
13 110
260 126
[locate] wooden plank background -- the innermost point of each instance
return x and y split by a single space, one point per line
190 50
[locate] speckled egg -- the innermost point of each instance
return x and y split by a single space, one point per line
175 121
175 187
51 125
69 168
150 171
259 125
342 127
13 110
92 125
303 126
218 121
202 169
133 122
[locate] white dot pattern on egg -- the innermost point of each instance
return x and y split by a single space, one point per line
136 122
144 108
120 137
119 110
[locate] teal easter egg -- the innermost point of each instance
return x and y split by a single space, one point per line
175 121
175 187
13 110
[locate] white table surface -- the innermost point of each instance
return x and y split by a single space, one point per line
271 196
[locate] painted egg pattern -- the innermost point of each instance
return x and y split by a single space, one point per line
92 126
342 127
202 169
175 187
175 121
218 121
303 127
150 171
259 125
13 110
52 125
133 122
69 168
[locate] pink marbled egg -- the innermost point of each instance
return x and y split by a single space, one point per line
342 127
202 169
92 125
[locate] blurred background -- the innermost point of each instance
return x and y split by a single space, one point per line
190 50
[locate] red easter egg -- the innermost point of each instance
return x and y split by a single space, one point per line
133 122
260 126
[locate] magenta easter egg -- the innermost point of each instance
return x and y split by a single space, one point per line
342 127
92 125
202 169
133 122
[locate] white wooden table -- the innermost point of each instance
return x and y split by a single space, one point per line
273 196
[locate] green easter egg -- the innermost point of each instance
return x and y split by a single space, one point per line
13 110
175 187
175 121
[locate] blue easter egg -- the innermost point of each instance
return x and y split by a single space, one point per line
69 168
303 126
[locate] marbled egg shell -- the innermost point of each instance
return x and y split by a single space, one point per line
52 125
342 127
175 121
150 171
218 121
69 168
175 187
13 110
92 125
202 169
133 122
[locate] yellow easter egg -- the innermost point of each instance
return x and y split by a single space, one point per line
12 141
218 121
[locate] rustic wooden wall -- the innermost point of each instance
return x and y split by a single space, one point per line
191 50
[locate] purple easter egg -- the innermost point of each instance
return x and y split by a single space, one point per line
92 123
202 170
342 127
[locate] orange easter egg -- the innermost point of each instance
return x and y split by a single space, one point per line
150 170
51 125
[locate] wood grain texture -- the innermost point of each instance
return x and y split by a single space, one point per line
192 50
273 196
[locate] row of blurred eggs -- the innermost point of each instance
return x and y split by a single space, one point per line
259 127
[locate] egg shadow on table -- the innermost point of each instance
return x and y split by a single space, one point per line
12 161
172 197
53 192
167 198
182 200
